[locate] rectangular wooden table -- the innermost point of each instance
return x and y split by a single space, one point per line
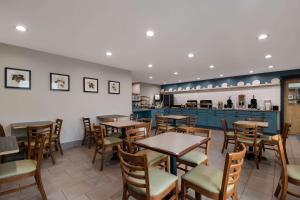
8 145
122 125
173 144
114 117
175 118
259 124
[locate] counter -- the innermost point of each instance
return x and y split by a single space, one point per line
212 117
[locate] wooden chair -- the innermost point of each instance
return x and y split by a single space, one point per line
196 156
153 158
290 174
56 136
260 130
46 130
22 169
191 121
143 182
103 142
268 143
2 132
228 135
247 134
214 183
162 125
110 131
132 117
89 135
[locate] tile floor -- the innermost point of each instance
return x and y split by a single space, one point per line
74 177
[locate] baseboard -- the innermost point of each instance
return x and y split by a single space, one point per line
69 145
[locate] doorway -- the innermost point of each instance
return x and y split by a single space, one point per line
292 104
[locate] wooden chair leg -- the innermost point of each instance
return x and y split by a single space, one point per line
51 154
102 158
198 196
40 185
94 157
125 197
183 190
60 148
176 191
90 142
83 141
224 144
256 157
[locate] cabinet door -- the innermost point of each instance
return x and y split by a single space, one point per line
202 118
231 117
211 118
219 116
271 118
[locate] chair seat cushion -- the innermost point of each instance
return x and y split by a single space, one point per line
112 140
54 136
166 127
15 168
195 156
152 156
207 178
230 133
294 172
249 141
159 181
115 134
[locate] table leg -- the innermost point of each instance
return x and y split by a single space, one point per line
173 165
123 130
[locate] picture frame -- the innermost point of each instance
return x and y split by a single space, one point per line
90 85
16 78
59 82
114 87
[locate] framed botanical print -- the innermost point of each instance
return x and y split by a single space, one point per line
17 78
90 85
113 87
59 82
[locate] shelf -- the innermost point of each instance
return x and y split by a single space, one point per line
222 88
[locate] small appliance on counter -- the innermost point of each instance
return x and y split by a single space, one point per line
253 103
191 104
268 105
205 103
220 105
241 101
229 103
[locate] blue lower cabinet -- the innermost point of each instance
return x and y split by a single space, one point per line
202 118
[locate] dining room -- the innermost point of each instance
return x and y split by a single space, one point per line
111 100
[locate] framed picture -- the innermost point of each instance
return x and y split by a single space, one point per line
17 78
90 85
113 87
59 82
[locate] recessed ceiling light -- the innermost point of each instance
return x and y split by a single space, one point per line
191 55
221 75
21 28
150 65
150 33
179 81
268 56
263 36
108 53
198 78
271 67
175 73
211 66
150 77
165 82
251 71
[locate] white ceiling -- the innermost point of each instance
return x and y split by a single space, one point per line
218 32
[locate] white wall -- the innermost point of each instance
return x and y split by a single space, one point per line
150 90
40 103
261 94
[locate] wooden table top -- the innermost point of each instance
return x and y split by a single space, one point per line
122 124
24 125
101 117
175 117
260 124
8 145
172 143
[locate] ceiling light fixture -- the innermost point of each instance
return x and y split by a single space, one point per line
268 56
191 55
179 81
211 66
251 71
150 65
108 53
150 77
263 36
198 78
221 75
21 28
150 33
271 67
175 73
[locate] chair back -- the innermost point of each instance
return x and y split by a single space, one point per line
161 122
204 132
256 119
37 151
232 171
285 132
135 134
87 125
132 117
58 125
2 133
283 162
224 126
134 170
100 133
246 132
192 121
34 131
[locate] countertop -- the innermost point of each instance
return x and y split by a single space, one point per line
212 109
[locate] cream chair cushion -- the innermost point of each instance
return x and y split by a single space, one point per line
15 168
195 156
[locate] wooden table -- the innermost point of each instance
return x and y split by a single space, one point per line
259 124
8 145
114 117
173 144
175 118
122 125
